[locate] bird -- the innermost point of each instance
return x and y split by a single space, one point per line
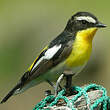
66 55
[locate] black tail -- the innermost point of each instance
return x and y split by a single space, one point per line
10 93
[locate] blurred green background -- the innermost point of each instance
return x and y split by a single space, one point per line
26 26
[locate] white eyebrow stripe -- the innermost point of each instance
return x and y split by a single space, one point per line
87 18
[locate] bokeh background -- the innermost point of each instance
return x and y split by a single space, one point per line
26 26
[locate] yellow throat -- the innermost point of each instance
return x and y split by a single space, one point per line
82 47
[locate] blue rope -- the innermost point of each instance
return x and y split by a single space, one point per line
105 100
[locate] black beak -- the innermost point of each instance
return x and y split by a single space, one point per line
100 25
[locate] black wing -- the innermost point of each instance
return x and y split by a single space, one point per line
66 41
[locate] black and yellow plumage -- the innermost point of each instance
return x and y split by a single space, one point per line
69 51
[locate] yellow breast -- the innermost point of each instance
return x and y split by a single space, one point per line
82 47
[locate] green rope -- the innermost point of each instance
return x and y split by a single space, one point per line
105 100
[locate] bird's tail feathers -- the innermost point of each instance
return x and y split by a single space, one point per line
12 92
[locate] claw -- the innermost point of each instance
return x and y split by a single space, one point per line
48 92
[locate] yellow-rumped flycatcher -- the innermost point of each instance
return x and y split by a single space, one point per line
69 51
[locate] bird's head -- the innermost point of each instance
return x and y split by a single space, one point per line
83 22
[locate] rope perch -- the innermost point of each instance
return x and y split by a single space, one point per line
90 97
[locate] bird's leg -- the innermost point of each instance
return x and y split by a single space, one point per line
58 84
51 84
48 92
68 85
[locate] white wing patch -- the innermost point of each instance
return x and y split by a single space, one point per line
48 54
87 18
37 63
52 51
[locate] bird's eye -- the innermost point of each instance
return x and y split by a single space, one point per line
84 22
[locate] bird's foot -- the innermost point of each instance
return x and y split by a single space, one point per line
48 92
56 87
68 91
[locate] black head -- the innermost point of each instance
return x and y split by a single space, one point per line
82 21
